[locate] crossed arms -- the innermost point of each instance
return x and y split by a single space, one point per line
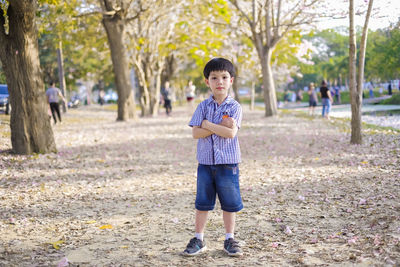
227 129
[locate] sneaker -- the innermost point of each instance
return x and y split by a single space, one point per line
232 247
195 247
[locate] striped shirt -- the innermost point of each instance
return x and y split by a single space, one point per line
215 149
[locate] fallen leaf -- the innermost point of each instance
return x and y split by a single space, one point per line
57 244
106 226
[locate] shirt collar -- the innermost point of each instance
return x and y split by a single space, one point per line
227 100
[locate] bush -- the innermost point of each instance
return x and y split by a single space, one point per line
394 100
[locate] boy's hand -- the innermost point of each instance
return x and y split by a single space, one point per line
228 122
204 124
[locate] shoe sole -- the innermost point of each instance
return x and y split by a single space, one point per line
238 254
196 253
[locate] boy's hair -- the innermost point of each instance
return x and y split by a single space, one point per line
219 64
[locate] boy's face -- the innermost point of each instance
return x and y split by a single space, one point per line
219 83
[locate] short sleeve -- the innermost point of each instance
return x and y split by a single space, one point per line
237 114
198 116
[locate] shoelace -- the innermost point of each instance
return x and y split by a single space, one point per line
192 243
233 243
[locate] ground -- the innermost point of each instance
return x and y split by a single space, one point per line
122 194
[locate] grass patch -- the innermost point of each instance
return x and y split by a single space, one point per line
394 100
375 129
367 128
5 126
111 107
344 124
344 97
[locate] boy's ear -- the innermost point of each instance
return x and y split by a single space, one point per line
206 81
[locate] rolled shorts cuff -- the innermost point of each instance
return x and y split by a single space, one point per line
204 208
233 209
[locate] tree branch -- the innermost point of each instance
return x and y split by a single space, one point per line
88 14
268 27
251 23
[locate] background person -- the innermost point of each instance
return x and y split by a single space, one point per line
326 99
166 93
313 99
53 94
190 92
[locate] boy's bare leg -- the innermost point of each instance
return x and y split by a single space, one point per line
196 244
201 219
229 221
231 246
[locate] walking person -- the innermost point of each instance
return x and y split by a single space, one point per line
313 99
166 93
101 97
371 90
326 99
53 94
215 124
337 94
390 88
190 90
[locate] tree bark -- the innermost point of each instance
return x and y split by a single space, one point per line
61 77
31 130
357 138
269 85
252 96
355 96
235 85
155 94
113 22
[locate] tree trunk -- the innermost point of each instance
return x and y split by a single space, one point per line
143 88
61 77
155 94
115 28
355 96
253 92
235 84
269 85
31 130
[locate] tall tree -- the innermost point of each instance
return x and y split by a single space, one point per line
269 21
151 44
31 131
114 21
382 56
76 24
357 78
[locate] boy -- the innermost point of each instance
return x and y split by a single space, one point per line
215 124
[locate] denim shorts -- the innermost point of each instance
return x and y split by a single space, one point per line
221 180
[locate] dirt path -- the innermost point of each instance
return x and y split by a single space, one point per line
122 194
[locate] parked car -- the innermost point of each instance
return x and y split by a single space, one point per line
4 98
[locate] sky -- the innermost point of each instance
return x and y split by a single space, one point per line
385 12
